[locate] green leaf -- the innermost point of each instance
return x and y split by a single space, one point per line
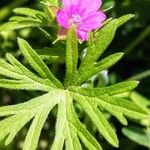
139 99
24 74
71 56
36 62
97 118
29 105
122 106
113 104
119 116
68 128
23 19
23 85
124 19
71 133
11 129
138 135
109 90
38 108
28 18
60 126
18 25
103 38
84 135
28 12
37 125
8 70
93 69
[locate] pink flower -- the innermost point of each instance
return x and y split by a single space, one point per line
83 14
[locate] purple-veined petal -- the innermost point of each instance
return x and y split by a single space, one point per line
83 14
82 7
62 18
68 3
72 9
89 6
83 35
93 21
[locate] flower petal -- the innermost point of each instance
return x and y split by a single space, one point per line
89 6
62 18
68 3
93 22
82 7
83 35
71 6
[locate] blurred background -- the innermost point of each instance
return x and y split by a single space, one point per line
133 39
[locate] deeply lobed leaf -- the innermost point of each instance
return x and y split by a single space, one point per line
36 62
70 132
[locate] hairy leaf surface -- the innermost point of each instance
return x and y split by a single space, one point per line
64 96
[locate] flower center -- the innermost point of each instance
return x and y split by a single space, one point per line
75 20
